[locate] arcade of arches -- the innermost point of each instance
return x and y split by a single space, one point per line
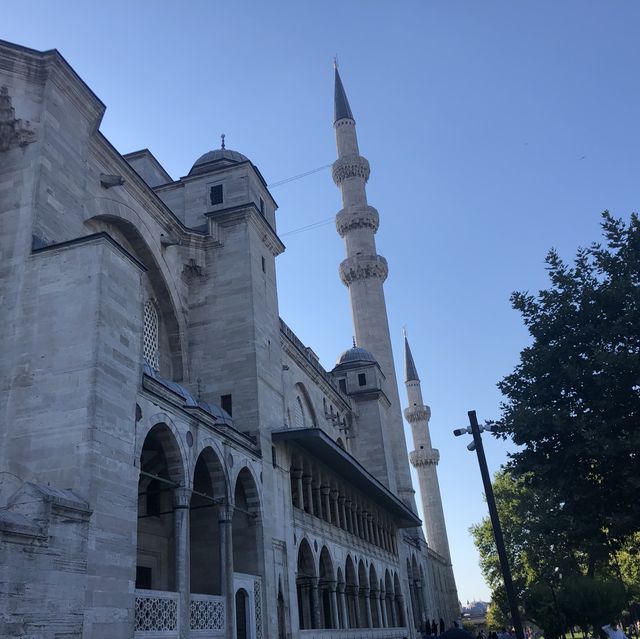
192 538
346 597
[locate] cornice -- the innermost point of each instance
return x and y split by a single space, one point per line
43 66
250 212
320 377
146 197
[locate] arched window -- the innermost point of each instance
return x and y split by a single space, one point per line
150 336
299 413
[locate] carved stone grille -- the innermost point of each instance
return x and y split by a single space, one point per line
150 336
257 595
156 613
207 613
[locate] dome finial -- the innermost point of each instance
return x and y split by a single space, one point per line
354 341
222 137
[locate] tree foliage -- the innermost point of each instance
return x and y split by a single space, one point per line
573 402
568 498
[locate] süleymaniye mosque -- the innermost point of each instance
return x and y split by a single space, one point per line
174 461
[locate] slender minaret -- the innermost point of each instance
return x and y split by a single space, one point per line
364 272
425 459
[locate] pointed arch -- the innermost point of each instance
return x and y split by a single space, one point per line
306 577
304 403
327 585
247 525
209 486
162 471
123 223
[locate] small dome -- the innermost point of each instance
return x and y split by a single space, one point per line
355 354
218 155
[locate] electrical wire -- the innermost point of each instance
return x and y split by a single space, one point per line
309 227
297 177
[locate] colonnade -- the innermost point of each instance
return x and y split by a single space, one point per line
339 600
341 506
193 533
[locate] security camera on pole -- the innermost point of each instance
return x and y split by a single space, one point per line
475 429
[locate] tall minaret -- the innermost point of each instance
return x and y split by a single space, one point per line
425 459
364 272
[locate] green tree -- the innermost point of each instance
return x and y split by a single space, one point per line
572 404
536 547
587 601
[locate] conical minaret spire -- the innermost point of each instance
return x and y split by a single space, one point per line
425 459
364 272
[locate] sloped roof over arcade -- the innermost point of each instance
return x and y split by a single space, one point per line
323 448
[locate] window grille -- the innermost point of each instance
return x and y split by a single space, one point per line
299 413
150 336
216 195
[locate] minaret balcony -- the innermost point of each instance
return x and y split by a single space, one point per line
424 457
365 217
349 166
415 414
362 267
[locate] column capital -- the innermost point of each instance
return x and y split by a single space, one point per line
325 490
225 513
181 497
307 479
297 473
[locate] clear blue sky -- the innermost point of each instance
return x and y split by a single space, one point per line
494 130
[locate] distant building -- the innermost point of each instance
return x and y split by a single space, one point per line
174 461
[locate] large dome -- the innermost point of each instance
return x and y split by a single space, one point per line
218 155
355 354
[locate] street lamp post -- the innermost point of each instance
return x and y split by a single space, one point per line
475 429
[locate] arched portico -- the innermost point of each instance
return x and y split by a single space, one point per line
307 588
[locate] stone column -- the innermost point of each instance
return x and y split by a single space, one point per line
307 615
367 607
181 500
394 614
401 616
383 608
376 599
315 603
225 527
325 501
335 622
356 606
343 514
349 507
419 597
297 475
344 621
308 497
334 504
317 505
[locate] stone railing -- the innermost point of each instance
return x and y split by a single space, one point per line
208 618
156 614
356 633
